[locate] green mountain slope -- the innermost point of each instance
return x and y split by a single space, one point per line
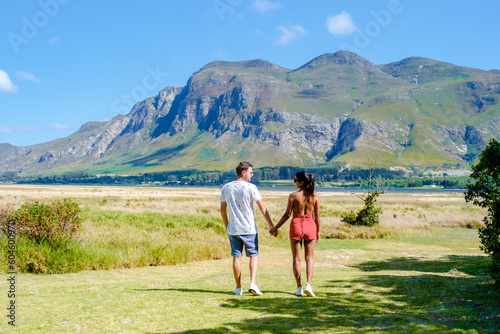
337 107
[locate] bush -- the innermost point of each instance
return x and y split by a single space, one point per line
56 222
349 217
45 236
368 216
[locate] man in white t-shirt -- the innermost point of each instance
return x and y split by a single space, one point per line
237 197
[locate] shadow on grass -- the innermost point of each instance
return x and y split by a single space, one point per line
439 300
187 290
209 291
471 265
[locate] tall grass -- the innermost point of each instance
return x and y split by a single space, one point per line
124 227
116 239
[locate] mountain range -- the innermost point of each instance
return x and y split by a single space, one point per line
337 107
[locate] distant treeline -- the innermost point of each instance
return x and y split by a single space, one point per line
450 182
337 173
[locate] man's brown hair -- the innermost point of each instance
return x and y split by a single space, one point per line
244 165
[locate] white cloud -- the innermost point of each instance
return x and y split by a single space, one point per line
27 128
264 6
21 75
6 129
18 128
53 40
340 24
59 126
293 31
33 128
5 84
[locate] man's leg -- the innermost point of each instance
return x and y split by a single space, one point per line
252 251
254 263
236 249
237 270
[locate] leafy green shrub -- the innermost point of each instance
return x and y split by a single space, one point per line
55 222
349 217
44 236
485 192
368 215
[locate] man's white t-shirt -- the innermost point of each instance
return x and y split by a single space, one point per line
239 197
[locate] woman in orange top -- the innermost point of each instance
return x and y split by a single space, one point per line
304 204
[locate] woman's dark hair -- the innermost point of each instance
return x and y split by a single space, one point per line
307 179
244 165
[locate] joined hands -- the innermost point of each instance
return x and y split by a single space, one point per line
273 231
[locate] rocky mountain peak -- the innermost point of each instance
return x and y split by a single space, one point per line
421 71
340 58
247 63
337 108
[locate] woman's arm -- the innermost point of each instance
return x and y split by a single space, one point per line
316 215
286 215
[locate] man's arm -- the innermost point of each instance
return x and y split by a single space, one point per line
223 213
265 213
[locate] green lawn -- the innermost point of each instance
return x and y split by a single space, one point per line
426 281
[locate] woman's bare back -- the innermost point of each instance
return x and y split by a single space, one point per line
302 203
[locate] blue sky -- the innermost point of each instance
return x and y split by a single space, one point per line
67 62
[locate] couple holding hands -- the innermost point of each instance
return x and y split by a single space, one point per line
237 213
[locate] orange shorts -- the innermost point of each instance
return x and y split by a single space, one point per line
303 227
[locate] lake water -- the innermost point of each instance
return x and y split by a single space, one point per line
345 190
351 190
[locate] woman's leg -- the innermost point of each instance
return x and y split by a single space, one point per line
296 253
309 254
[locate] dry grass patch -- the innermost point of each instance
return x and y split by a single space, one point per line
141 225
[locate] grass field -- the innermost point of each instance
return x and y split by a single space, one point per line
427 276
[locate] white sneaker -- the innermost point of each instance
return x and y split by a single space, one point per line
299 292
254 289
309 291
238 292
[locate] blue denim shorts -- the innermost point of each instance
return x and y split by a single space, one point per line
251 242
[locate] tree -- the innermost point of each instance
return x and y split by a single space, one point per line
368 215
485 192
